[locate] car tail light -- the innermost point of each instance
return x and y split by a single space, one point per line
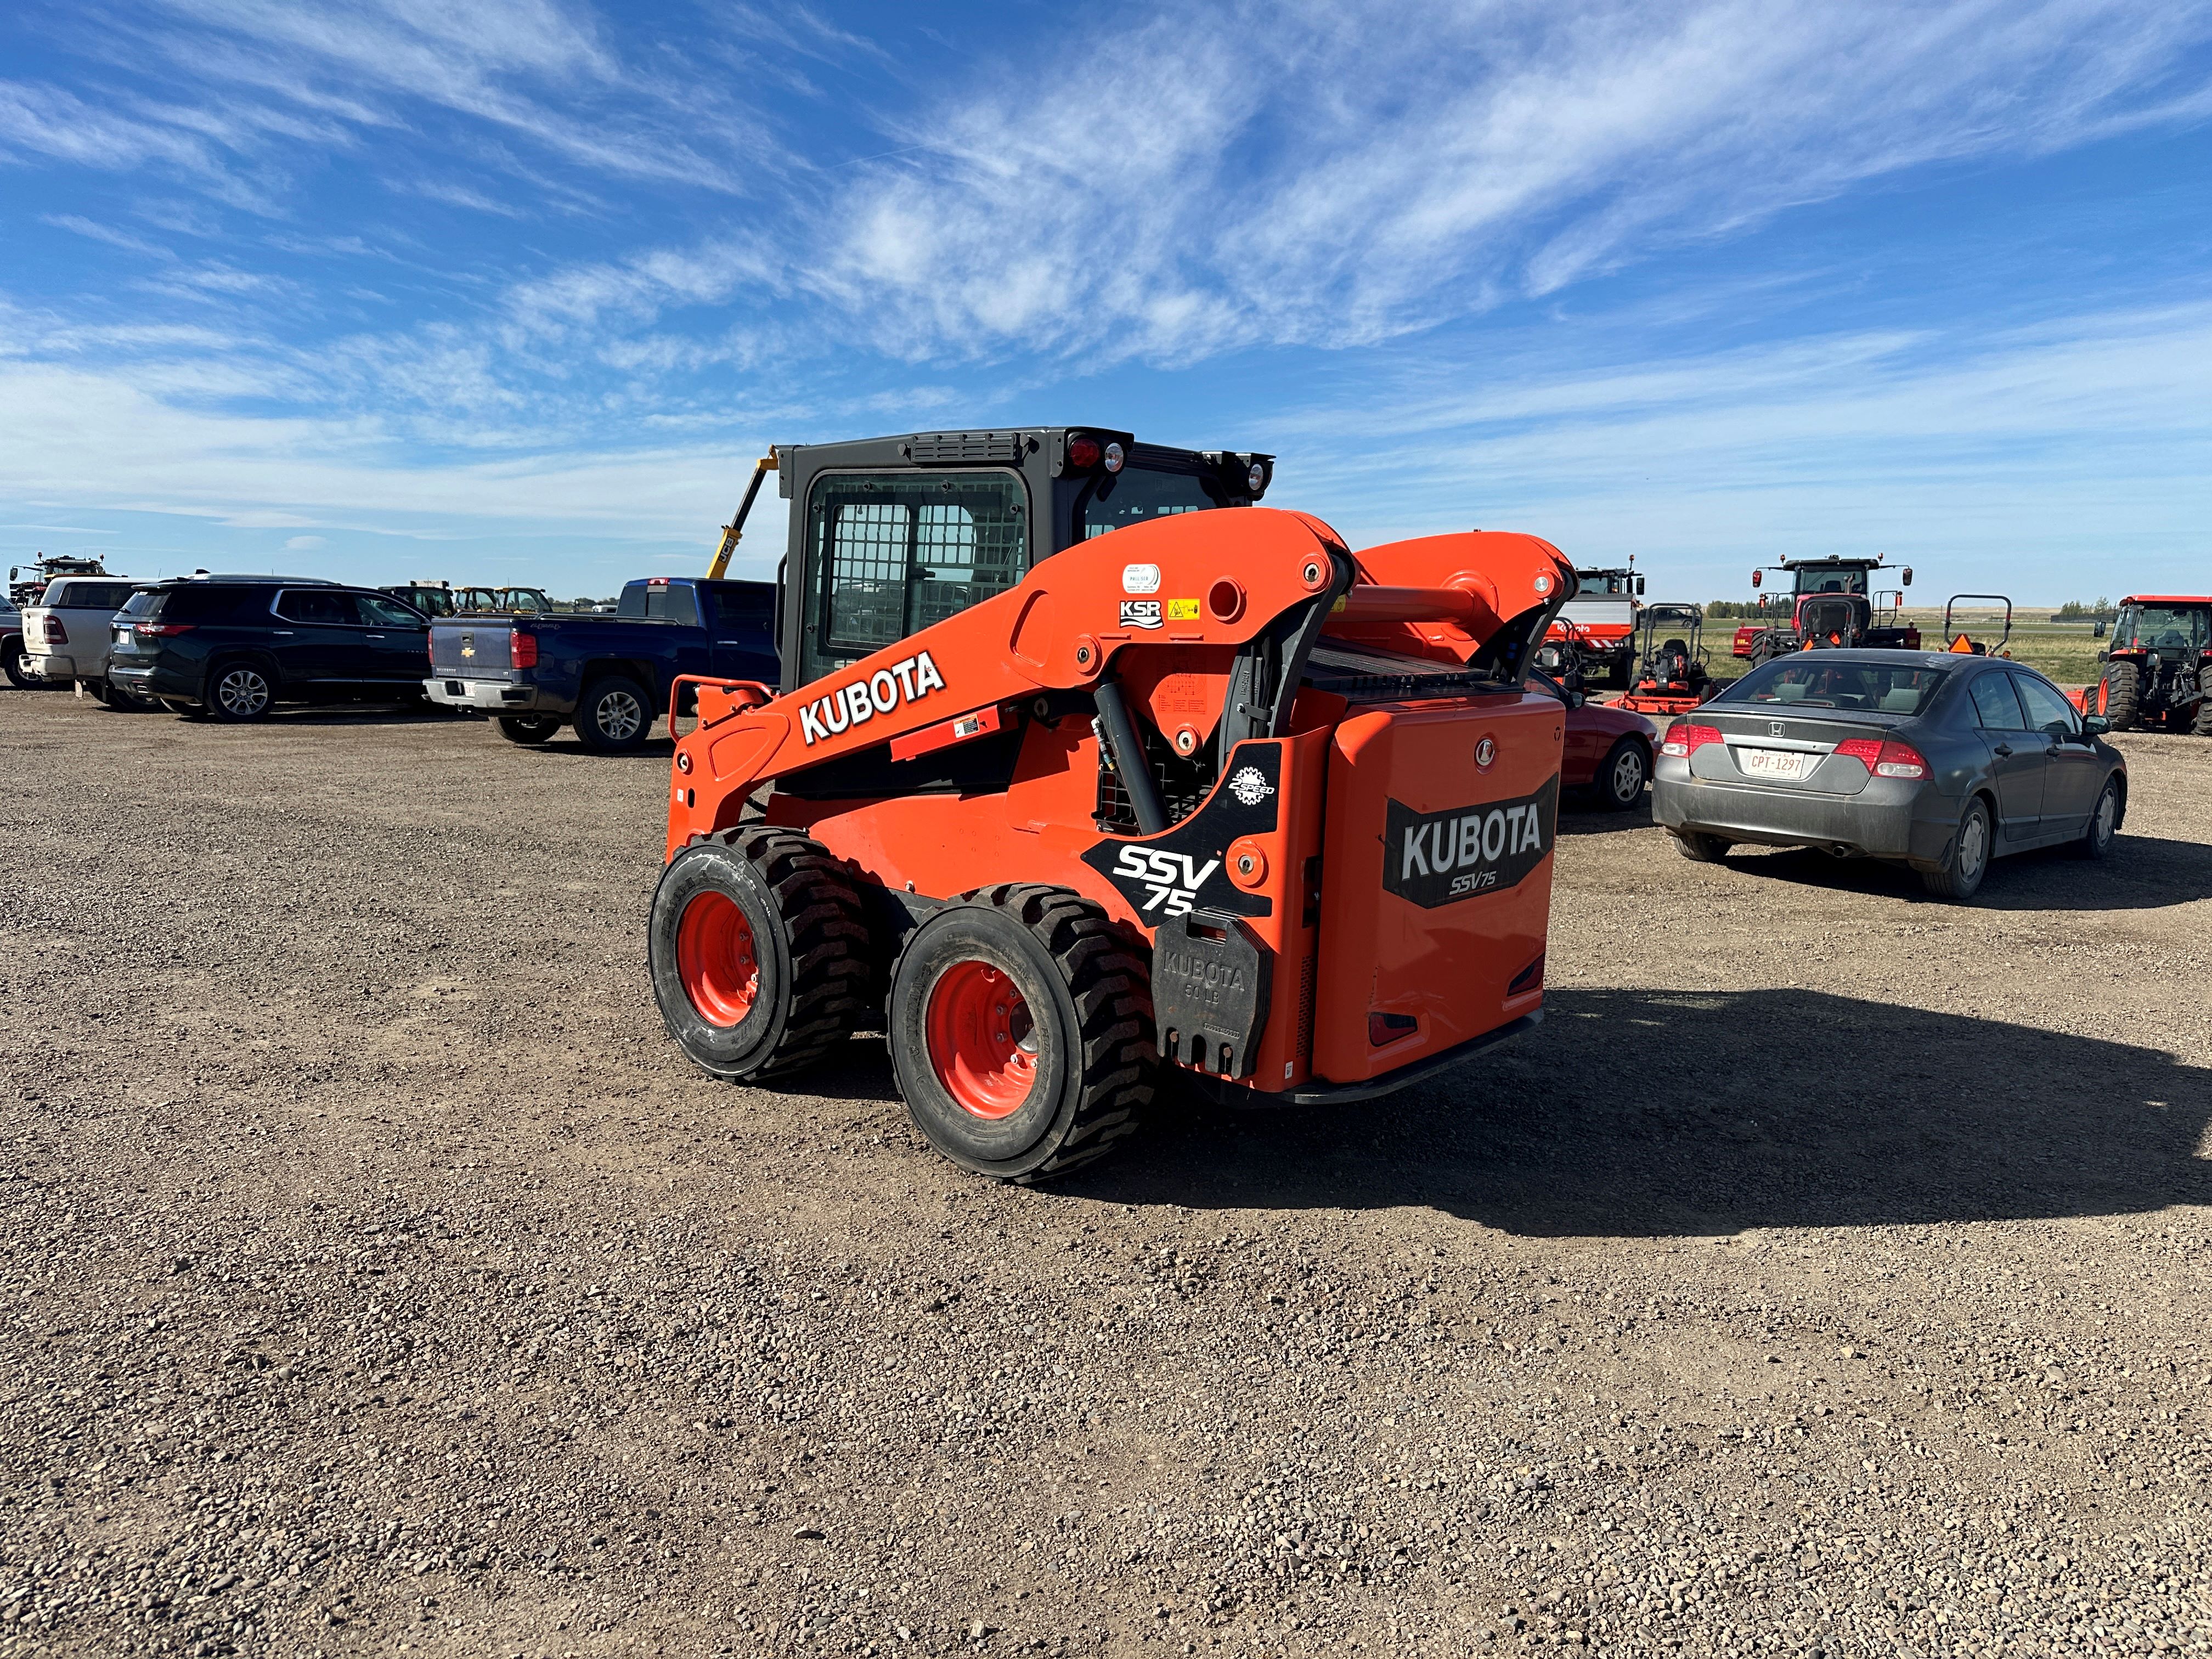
162 630
1684 738
522 648
1083 453
56 633
1886 757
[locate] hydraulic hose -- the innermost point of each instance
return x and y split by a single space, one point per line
1119 733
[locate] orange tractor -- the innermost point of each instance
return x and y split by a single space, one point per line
1073 782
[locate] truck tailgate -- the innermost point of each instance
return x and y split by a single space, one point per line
470 647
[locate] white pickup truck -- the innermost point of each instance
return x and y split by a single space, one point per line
66 634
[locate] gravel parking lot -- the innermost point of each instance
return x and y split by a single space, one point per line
1829 1275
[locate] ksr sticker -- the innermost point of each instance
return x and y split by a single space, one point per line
1140 613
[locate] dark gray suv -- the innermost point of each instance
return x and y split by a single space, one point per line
1936 760
234 648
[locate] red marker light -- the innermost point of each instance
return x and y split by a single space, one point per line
1083 453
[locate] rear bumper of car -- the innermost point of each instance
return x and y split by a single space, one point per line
52 668
485 697
1907 822
154 679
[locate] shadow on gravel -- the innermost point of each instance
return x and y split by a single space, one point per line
2143 872
1642 1113
1580 816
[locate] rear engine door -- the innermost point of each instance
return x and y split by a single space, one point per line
2020 756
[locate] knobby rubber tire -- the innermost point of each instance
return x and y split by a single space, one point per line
1091 1001
2123 697
1608 795
1700 849
1952 882
587 715
527 728
811 934
2202 726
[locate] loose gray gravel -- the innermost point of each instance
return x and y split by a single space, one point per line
1829 1276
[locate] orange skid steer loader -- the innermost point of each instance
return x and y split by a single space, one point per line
1208 793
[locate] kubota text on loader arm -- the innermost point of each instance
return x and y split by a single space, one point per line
1208 793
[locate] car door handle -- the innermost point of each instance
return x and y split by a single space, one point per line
2004 751
281 632
375 636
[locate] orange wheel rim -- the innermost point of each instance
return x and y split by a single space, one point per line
982 1042
716 959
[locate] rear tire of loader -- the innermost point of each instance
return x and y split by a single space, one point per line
1021 1031
759 951
2121 695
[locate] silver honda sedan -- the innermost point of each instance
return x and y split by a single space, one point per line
1937 759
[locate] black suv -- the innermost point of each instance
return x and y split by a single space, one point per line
234 647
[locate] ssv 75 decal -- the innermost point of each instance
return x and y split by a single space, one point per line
1439 858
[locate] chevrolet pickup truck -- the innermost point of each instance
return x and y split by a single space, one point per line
609 676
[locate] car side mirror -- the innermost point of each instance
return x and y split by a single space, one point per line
1576 700
2096 724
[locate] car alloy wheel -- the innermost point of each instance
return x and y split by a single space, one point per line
619 716
243 693
1973 846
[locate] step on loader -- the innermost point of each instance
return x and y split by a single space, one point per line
1072 784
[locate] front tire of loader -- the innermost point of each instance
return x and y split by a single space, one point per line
2120 697
759 952
1021 1030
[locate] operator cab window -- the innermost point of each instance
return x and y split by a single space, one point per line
1114 501
888 554
317 607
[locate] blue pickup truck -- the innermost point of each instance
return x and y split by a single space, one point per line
609 676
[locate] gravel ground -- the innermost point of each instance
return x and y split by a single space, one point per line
1828 1276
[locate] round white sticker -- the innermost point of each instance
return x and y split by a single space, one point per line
1140 578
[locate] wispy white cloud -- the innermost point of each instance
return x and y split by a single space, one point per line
1299 172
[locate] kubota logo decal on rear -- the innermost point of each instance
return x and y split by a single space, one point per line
1435 858
908 680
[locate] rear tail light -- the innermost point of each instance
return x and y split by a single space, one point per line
522 648
56 633
1886 757
1083 453
1684 738
162 630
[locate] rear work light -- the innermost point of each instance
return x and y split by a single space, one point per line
522 648
1684 738
1886 757
56 633
162 630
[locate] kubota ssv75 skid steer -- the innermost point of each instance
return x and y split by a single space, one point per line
1061 811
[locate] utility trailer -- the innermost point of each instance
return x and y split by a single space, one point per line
1073 778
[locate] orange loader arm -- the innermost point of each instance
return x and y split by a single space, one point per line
1218 579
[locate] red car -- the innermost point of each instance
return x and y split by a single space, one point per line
1607 748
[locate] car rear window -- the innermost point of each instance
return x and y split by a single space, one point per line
209 604
88 596
1815 679
659 602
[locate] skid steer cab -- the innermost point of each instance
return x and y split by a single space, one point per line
1085 771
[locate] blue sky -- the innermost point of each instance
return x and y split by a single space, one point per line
516 289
